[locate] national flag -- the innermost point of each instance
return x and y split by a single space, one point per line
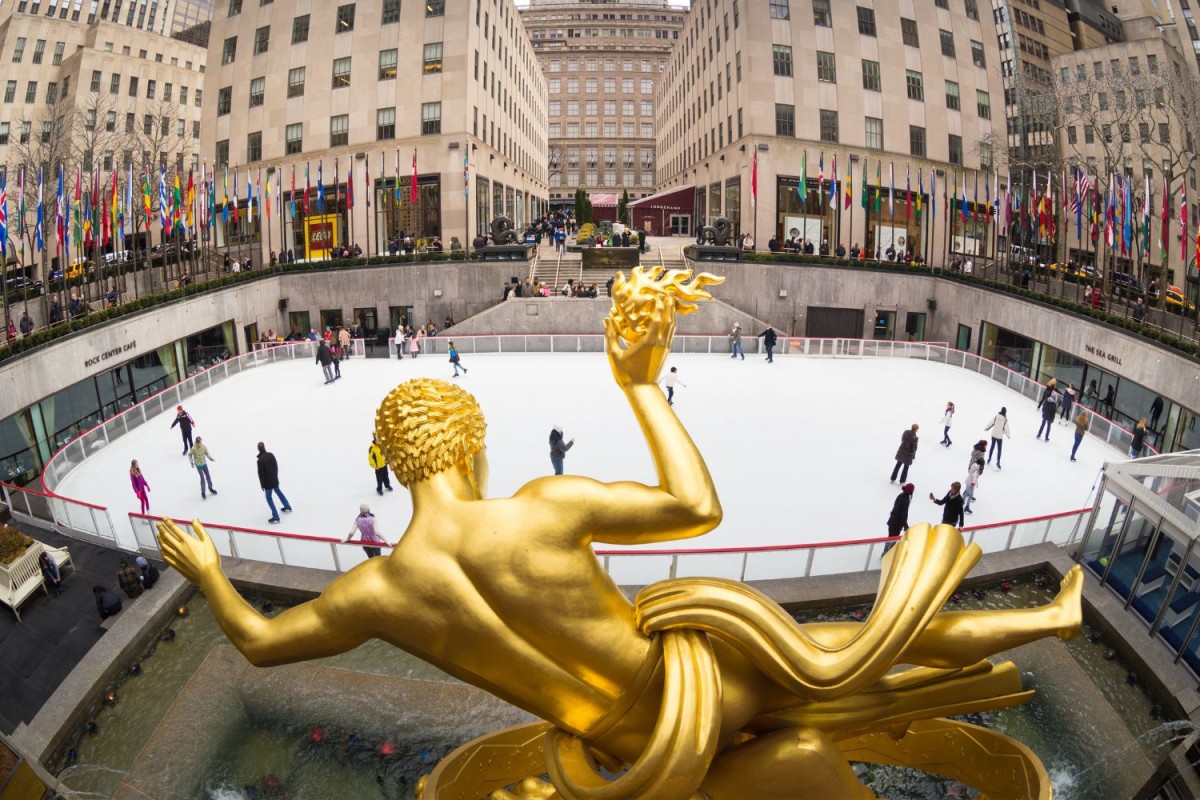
920 193
164 211
412 186
115 209
1008 204
177 204
466 171
249 199
349 187
1146 218
975 197
833 183
337 182
320 187
37 224
397 176
104 207
4 213
878 187
907 191
1166 223
754 180
863 188
1127 240
269 171
821 174
952 204
1183 222
234 210
802 189
963 200
21 208
191 201
932 197
891 188
77 220
1110 212
60 231
225 196
307 188
850 186
987 198
368 187
292 193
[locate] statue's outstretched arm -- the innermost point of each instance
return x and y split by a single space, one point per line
311 630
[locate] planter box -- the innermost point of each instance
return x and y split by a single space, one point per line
612 258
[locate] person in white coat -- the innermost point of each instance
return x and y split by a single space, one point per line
947 419
999 428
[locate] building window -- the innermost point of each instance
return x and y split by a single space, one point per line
222 154
300 29
3 133
985 156
829 126
947 38
1152 63
60 46
870 75
914 85
167 93
229 51
387 64
916 140
52 98
785 120
908 32
956 151
972 9
874 131
25 129
826 68
1089 134
19 50
235 7
942 3
254 146
38 49
435 8
10 91
295 82
433 57
391 12
258 88
822 17
151 89
1073 134
866 21
95 80
345 19
779 9
952 102
385 124
339 130
110 122
262 39
783 60
983 104
294 138
224 100
431 118
977 54
31 92
114 84
341 72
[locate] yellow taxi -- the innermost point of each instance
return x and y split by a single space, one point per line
1173 298
77 268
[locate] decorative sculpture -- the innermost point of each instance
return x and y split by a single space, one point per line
716 234
503 231
704 688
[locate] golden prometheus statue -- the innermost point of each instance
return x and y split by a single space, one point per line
702 689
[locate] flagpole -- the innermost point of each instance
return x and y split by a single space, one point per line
850 177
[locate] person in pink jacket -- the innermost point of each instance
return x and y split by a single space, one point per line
140 487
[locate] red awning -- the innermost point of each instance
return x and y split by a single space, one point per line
675 198
603 200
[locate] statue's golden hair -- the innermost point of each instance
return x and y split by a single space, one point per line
426 426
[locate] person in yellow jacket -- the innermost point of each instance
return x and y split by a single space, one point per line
378 463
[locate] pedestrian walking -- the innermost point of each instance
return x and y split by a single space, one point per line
185 422
50 572
999 428
325 359
366 531
897 521
769 339
454 359
140 487
670 381
1139 439
906 453
199 457
947 420
129 579
1082 423
268 481
378 463
1049 408
973 475
952 505
1068 400
558 449
735 338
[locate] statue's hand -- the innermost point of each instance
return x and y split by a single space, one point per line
641 359
194 556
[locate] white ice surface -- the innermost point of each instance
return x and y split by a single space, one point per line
800 450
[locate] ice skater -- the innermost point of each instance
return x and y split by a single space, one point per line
185 422
335 351
972 481
325 359
379 463
140 487
735 338
1068 400
366 531
769 339
1048 391
268 481
906 453
1082 423
670 381
454 359
1049 408
952 505
897 521
947 420
558 449
199 457
999 428
980 449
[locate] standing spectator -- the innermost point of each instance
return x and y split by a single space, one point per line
414 343
952 505
448 323
365 531
669 382
185 422
454 359
897 521
108 602
1049 411
325 359
735 337
400 340
379 464
947 420
26 323
129 579
972 481
56 316
906 453
1110 399
1068 400
11 330
1082 422
149 572
140 487
1139 439
268 480
999 428
344 342
769 339
558 449
199 456
1139 310
50 572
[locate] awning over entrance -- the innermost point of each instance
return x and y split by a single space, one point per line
679 198
603 200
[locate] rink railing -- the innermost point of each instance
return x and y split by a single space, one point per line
641 567
85 521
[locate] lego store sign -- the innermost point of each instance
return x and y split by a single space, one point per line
320 235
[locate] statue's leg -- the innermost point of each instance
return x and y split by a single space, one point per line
783 765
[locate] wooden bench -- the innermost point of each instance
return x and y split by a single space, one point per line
23 577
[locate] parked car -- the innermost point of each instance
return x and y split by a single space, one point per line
20 284
1174 299
77 268
1125 285
119 257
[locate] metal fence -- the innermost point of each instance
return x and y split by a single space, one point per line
82 520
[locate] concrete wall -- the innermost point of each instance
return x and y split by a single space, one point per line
575 315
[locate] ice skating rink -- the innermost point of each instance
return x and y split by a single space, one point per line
800 450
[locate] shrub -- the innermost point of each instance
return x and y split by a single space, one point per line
13 544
